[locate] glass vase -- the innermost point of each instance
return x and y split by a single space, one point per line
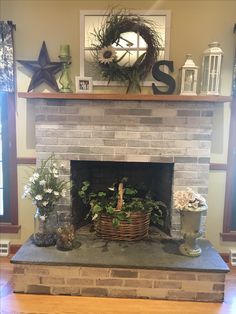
65 231
44 230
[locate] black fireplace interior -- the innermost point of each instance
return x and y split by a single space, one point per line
155 177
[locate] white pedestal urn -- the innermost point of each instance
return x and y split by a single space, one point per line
191 231
191 207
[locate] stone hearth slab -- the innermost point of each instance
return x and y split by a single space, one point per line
150 268
146 254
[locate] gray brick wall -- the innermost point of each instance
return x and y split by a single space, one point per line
141 131
115 282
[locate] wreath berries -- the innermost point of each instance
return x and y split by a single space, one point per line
105 53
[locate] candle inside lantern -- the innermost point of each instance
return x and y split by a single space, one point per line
64 50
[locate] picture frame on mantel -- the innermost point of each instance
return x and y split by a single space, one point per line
83 84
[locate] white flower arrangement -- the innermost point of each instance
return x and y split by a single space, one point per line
188 200
44 187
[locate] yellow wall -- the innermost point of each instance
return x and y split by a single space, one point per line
194 24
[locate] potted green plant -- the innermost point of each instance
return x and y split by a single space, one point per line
122 212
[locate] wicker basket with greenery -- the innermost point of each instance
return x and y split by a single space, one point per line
121 212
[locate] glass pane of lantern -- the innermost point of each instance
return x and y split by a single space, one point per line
205 73
215 72
212 73
188 80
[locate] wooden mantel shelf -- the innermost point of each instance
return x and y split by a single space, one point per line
123 97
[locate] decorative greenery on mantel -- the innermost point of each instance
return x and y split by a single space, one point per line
124 97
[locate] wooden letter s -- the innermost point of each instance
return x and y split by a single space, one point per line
163 77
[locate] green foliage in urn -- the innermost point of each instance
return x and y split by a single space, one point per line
119 201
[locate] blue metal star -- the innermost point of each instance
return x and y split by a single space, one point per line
43 70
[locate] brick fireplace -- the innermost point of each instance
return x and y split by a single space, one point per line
144 131
170 132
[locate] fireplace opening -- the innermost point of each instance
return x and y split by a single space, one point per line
154 177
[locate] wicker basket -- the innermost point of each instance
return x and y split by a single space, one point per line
136 228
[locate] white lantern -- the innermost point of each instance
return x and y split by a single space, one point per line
211 69
189 77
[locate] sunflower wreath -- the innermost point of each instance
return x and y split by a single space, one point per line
104 51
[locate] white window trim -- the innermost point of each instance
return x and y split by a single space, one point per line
83 13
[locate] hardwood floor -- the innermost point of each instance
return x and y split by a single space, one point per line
11 303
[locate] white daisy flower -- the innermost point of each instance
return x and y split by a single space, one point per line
56 193
32 179
43 217
35 175
48 191
26 189
38 197
63 193
42 182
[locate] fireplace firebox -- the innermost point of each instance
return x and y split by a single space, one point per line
153 177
